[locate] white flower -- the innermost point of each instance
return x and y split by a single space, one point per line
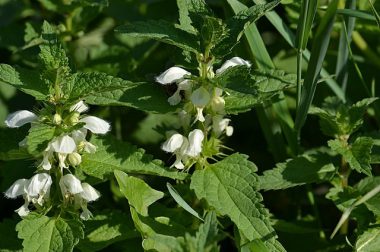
70 185
95 124
173 143
47 155
220 124
79 107
64 144
35 190
175 75
39 188
89 193
19 118
18 188
235 61
171 75
200 98
195 143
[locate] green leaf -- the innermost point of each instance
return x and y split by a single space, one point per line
42 233
357 155
212 31
149 97
112 154
38 138
140 195
9 148
206 237
105 229
369 241
162 31
89 84
238 23
229 187
173 192
315 166
338 119
366 185
159 233
320 45
25 80
249 88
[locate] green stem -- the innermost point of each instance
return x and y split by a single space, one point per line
299 76
310 196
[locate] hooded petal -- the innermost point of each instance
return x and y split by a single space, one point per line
23 210
95 124
86 214
19 118
70 184
200 97
171 75
39 184
64 144
175 98
235 61
89 193
195 143
17 188
79 107
173 143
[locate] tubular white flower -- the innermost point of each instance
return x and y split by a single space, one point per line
181 155
39 188
89 193
200 98
195 143
79 107
89 147
64 144
171 75
86 214
173 143
23 210
235 61
47 155
79 135
19 118
70 184
95 124
220 124
18 188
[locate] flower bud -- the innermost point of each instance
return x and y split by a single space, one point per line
57 119
74 118
75 159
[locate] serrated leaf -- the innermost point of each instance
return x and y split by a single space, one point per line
162 31
38 138
112 154
89 84
147 97
366 185
42 233
308 168
357 155
140 201
238 23
369 241
229 187
25 80
9 148
105 229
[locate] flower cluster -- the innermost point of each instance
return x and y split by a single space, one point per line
204 106
63 151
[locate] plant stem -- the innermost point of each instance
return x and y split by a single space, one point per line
311 198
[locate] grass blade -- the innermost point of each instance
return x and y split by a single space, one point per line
318 53
377 17
289 37
173 192
308 10
356 13
341 70
278 115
